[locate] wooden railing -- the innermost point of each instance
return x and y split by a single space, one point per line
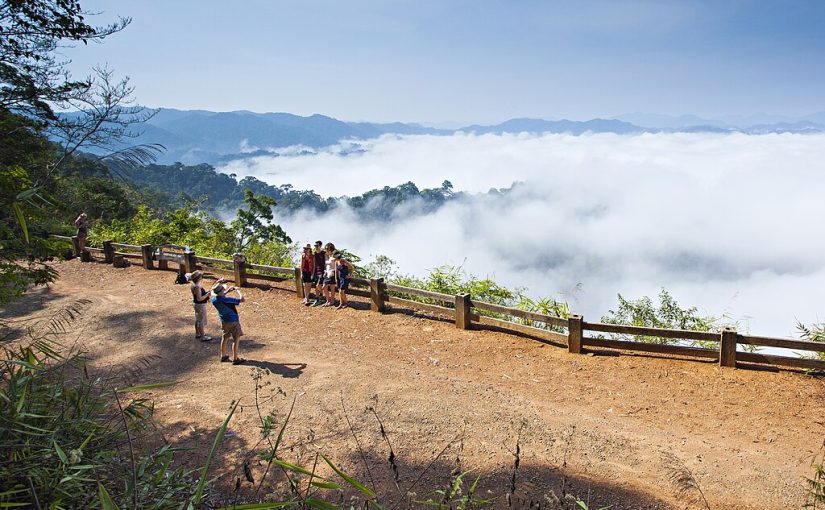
467 313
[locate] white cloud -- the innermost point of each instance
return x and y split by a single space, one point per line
726 222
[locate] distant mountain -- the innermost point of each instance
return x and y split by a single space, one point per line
557 126
655 120
200 136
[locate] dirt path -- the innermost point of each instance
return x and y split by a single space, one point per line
601 425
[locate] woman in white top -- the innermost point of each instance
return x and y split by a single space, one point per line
329 275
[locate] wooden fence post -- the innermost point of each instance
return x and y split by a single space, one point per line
108 251
462 311
190 261
240 269
575 325
162 264
76 246
146 253
376 297
299 284
727 347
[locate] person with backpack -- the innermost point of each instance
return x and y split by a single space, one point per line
230 320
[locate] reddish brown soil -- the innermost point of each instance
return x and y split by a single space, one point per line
603 425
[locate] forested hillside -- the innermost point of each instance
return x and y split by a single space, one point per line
214 191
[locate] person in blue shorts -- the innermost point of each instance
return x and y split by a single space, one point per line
230 320
343 272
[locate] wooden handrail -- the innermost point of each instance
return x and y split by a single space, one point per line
515 312
786 343
272 269
447 298
705 336
460 308
126 246
210 260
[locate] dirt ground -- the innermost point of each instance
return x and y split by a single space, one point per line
604 427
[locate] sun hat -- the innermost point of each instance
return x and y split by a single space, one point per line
336 254
218 288
195 275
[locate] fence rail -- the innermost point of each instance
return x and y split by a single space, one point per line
126 246
468 312
437 296
210 260
522 314
287 271
657 332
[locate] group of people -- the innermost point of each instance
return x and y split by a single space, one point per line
324 269
329 272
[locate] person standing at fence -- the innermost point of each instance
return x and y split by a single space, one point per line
82 224
230 320
307 272
320 259
343 271
200 297
329 274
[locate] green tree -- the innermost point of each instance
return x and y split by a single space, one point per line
34 84
254 223
33 78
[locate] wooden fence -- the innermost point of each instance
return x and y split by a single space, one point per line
466 312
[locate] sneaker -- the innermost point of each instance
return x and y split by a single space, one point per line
305 301
341 306
318 302
204 338
224 359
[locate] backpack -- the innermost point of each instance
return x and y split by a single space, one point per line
180 279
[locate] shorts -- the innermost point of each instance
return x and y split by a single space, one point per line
343 284
231 330
329 280
306 277
200 315
319 279
82 233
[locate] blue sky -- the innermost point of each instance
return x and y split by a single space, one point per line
470 61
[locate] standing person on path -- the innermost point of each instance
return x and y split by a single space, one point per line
82 224
320 259
329 275
230 321
200 297
343 271
307 272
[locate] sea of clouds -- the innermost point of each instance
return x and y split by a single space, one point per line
729 223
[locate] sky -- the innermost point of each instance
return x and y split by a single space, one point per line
436 61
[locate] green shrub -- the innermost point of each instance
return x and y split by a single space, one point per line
65 431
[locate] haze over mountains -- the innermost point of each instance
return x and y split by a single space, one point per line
200 136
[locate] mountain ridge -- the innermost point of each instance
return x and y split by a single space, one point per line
203 136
